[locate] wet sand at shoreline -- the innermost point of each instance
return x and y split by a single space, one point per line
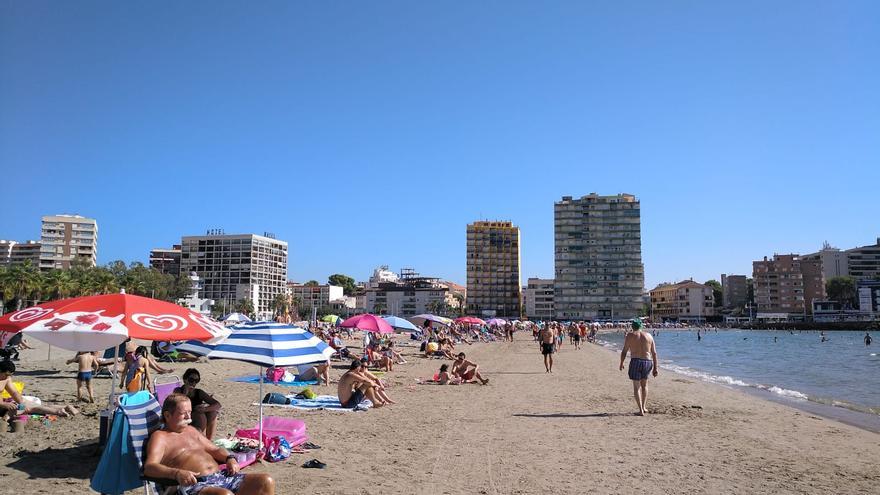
572 431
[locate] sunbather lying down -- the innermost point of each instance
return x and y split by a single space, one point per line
17 405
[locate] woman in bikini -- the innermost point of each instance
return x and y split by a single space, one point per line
136 373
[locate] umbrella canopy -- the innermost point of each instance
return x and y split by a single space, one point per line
195 347
421 319
271 344
334 319
470 320
496 321
236 318
400 324
368 323
100 322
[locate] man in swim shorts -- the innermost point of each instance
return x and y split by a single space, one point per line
547 339
354 386
640 345
180 452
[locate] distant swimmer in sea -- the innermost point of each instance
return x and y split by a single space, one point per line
699 337
867 338
640 346
774 339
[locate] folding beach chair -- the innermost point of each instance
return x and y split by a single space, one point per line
165 389
121 464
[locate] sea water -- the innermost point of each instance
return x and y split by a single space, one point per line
841 372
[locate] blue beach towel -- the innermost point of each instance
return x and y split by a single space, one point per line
119 469
256 379
321 402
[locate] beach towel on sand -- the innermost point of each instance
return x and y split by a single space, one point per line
325 402
256 379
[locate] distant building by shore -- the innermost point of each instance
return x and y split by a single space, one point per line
493 269
684 301
66 239
598 257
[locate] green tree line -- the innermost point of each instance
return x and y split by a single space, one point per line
25 285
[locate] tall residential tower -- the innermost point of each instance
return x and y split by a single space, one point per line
493 269
68 238
598 250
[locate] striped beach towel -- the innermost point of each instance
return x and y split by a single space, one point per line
144 417
321 402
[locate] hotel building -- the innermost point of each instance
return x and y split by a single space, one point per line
493 269
408 295
236 267
66 238
598 255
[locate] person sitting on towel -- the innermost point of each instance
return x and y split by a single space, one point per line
180 452
16 405
356 384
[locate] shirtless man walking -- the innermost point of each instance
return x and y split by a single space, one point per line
180 452
547 338
639 344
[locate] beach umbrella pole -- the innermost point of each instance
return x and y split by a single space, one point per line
113 377
260 441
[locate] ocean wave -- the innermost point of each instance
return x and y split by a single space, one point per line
794 394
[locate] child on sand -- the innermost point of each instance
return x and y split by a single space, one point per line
88 364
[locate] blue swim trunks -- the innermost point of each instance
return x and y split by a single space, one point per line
220 479
640 368
84 376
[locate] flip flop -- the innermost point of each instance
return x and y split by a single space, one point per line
314 463
310 446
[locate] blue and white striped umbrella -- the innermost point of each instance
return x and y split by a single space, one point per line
272 344
195 347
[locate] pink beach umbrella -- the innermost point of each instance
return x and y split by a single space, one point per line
368 323
470 320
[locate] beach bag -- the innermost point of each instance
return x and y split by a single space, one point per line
277 449
275 398
274 374
288 377
306 393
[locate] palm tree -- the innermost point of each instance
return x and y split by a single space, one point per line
5 289
281 305
102 281
57 284
25 280
378 308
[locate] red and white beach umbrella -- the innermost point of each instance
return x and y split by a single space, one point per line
100 322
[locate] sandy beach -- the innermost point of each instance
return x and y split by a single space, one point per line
526 432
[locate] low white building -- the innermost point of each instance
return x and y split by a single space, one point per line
193 301
317 296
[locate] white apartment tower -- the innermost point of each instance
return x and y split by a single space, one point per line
66 238
236 267
598 254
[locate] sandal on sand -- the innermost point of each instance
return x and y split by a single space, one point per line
314 463
310 446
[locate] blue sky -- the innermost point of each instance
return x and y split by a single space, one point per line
369 133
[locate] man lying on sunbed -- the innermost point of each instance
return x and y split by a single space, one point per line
180 452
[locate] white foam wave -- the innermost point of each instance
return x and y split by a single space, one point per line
794 394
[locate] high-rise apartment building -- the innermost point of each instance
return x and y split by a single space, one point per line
18 253
734 291
166 260
236 267
493 269
538 297
598 254
864 262
65 238
787 284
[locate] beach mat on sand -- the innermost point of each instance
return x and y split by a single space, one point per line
256 379
321 402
